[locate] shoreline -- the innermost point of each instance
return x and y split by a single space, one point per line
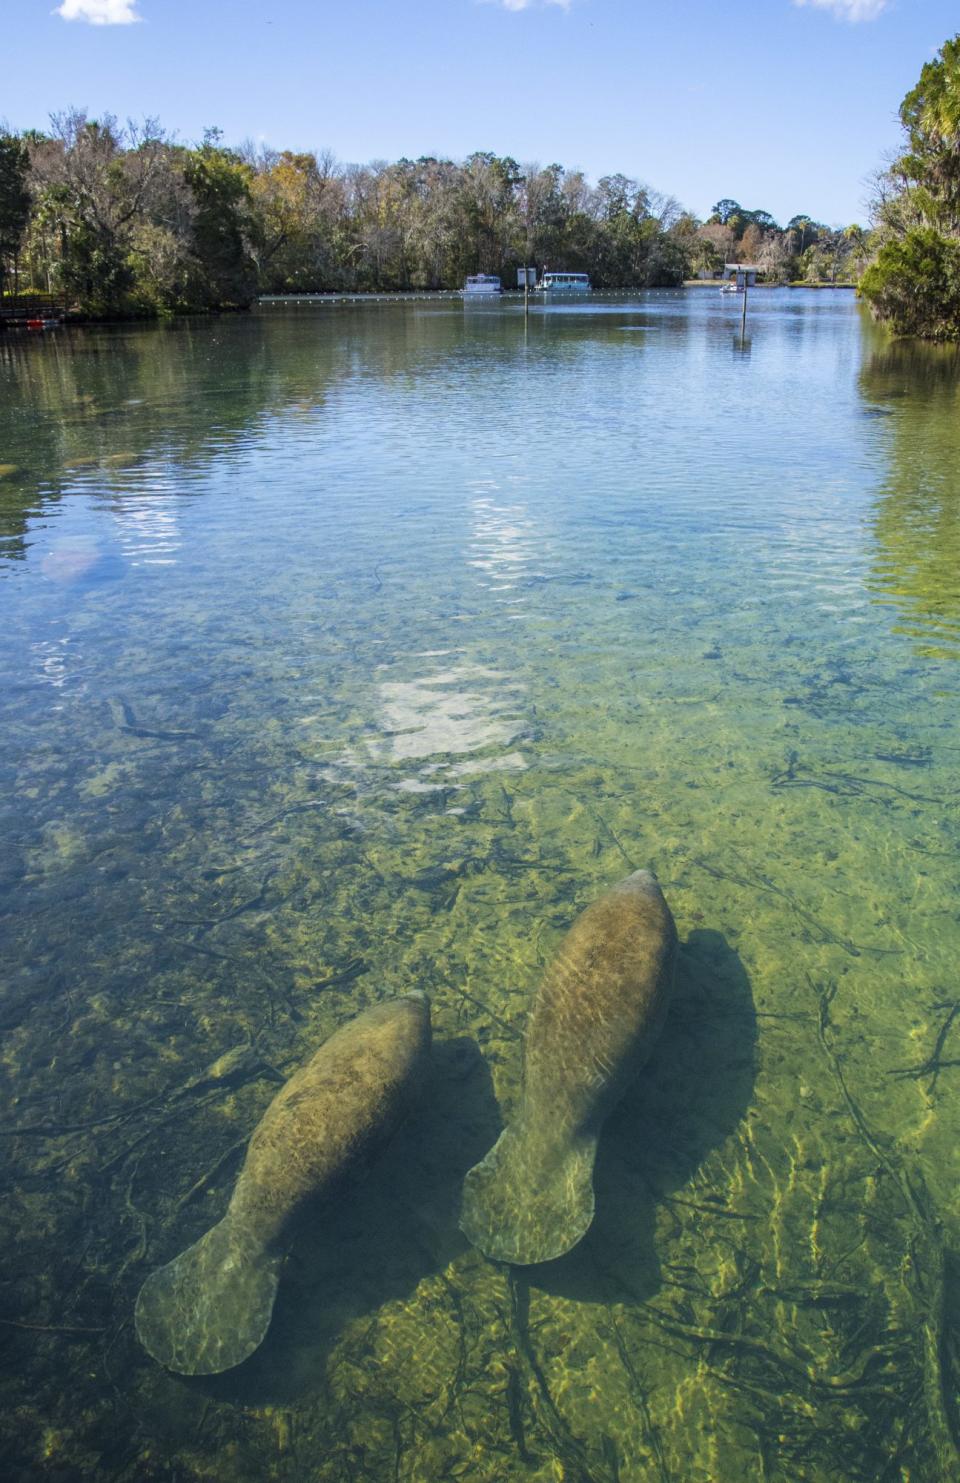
792 283
33 322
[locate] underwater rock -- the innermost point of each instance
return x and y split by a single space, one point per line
598 1011
207 1310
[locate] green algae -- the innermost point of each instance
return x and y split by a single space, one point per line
215 844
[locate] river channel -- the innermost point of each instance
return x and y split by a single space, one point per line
353 649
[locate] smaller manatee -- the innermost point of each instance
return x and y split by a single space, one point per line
207 1310
595 1017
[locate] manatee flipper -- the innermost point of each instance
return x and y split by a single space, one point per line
524 1203
210 1307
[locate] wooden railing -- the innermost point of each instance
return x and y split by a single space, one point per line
21 307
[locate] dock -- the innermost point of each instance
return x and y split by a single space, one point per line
29 311
426 296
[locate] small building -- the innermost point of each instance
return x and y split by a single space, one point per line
745 274
526 278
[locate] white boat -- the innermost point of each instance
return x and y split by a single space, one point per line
482 283
565 283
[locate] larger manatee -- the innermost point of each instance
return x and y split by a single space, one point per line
598 1010
209 1308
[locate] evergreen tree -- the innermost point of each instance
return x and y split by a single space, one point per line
914 282
223 223
14 200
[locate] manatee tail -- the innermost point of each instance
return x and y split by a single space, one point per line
524 1203
209 1308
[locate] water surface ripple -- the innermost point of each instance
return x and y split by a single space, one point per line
351 650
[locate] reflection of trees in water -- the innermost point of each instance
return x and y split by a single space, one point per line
104 400
916 565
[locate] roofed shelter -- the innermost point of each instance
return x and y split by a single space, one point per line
746 273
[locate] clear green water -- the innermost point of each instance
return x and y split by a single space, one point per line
348 651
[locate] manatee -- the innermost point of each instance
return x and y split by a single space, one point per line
596 1015
209 1308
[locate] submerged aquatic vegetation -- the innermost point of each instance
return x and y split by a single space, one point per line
332 737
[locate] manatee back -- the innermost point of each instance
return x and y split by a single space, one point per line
601 1004
333 1115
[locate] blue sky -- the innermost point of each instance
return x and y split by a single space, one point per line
783 106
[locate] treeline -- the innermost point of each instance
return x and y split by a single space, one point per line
126 220
914 283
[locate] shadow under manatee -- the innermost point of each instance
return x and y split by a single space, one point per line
376 1239
693 1092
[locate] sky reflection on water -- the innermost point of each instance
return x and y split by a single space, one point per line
352 650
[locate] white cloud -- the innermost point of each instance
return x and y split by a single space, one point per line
99 12
529 4
849 10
